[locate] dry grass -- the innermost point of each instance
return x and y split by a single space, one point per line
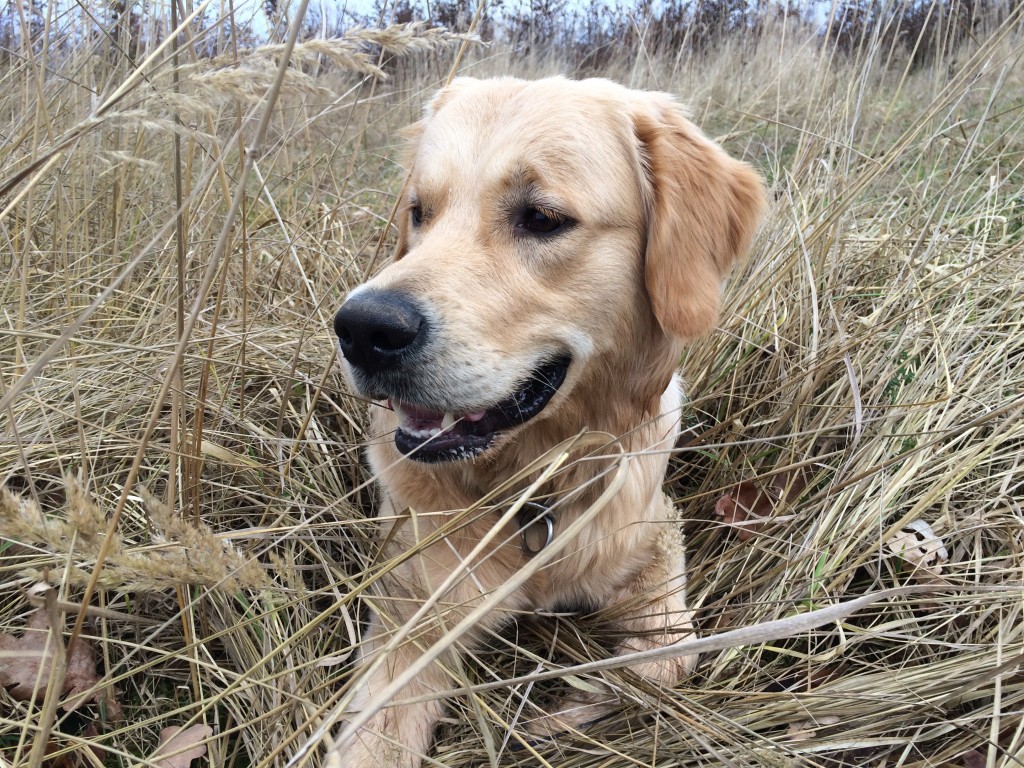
186 457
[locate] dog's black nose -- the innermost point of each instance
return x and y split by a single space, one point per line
376 329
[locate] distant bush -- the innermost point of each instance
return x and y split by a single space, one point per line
922 29
587 36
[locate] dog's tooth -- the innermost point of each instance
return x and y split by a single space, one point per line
447 421
434 432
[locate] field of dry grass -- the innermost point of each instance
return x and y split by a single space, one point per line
184 521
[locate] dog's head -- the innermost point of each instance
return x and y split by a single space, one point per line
558 241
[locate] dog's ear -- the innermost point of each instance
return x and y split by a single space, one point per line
703 208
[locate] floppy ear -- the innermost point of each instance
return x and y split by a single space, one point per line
703 209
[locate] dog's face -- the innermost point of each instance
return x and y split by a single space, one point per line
558 239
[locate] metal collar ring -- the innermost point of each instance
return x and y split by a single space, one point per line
530 515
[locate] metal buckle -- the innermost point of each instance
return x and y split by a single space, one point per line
530 515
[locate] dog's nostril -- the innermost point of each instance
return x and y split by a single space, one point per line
392 339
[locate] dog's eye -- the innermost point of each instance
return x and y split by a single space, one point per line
540 221
416 215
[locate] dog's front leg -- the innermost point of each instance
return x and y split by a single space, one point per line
395 736
657 617
398 735
650 609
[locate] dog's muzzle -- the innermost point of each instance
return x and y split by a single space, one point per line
384 336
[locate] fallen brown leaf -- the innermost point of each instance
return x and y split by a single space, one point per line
749 506
66 760
58 754
808 728
80 679
744 508
93 732
919 548
22 657
180 746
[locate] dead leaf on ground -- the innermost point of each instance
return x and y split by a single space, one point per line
65 760
62 752
22 657
180 746
919 548
749 506
809 728
743 509
93 732
806 679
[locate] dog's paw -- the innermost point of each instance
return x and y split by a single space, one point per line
371 752
574 713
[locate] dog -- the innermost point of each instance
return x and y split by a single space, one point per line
559 242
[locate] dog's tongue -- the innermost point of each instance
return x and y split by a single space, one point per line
420 414
414 418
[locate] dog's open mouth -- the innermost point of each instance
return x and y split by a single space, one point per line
428 435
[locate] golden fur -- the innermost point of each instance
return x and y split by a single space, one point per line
659 215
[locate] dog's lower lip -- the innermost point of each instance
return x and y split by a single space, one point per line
433 436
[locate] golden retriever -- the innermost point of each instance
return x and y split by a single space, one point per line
559 241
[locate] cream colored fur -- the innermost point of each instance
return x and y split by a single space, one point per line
662 212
